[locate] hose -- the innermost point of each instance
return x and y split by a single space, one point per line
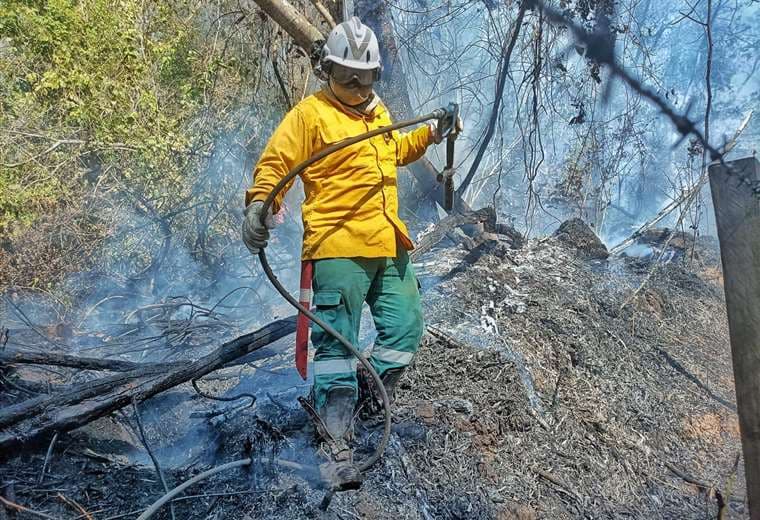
179 489
380 448
153 509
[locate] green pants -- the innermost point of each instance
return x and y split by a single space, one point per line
341 286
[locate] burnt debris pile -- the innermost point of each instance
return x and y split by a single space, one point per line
554 382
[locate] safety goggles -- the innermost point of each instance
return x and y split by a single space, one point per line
345 75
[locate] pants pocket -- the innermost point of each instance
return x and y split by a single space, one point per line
329 304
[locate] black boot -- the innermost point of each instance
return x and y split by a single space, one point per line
337 416
370 400
334 424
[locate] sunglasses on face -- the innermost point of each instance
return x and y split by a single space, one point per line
345 75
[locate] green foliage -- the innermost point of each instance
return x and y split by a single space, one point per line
121 81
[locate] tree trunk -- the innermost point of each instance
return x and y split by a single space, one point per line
292 22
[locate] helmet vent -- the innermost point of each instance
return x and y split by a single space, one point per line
367 56
345 52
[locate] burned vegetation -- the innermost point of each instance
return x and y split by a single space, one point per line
576 356
549 384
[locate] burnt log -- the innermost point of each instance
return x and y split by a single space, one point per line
24 357
92 389
37 418
490 231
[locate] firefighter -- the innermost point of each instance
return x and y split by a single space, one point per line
352 232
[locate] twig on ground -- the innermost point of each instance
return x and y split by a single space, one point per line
710 489
445 338
75 505
22 509
150 453
557 482
47 458
201 393
124 515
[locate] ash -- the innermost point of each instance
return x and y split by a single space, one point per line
551 384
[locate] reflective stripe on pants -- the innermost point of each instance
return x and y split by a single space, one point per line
341 286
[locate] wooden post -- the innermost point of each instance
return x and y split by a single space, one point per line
737 214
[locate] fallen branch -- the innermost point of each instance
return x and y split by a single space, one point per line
43 404
23 357
22 509
565 488
710 489
27 422
73 503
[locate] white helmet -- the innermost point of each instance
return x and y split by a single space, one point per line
352 44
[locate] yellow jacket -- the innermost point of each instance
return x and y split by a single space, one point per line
351 205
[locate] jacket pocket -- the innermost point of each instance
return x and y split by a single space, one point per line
331 134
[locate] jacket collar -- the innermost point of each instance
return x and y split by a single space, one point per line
373 109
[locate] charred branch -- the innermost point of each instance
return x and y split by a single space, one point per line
23 357
502 81
30 420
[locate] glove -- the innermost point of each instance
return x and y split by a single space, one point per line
256 234
435 134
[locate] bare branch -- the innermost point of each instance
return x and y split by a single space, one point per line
600 48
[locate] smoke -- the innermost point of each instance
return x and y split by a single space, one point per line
570 141
171 281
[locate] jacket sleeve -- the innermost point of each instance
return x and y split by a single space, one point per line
411 145
290 145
